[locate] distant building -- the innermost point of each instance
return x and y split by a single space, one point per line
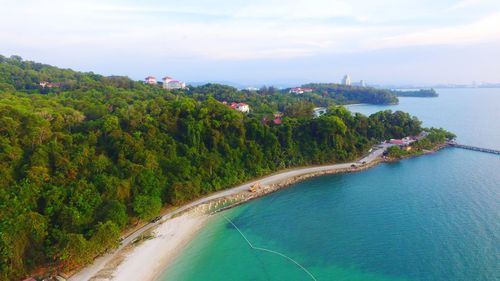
397 142
45 84
361 83
318 111
170 84
402 142
296 91
346 81
299 90
240 106
150 80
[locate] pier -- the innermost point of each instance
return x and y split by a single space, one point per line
475 148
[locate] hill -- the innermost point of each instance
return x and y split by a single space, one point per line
87 158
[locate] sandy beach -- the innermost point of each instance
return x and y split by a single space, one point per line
147 259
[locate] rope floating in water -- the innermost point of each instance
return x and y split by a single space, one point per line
270 251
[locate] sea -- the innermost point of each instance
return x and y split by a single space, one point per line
429 218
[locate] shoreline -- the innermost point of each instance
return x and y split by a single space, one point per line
148 259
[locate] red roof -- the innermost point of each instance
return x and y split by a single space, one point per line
150 77
235 105
167 77
398 142
277 120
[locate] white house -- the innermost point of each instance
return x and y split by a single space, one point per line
296 91
299 90
150 80
241 106
170 84
318 111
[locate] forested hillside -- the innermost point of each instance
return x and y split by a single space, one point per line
353 94
82 160
423 93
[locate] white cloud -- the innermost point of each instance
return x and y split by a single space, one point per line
229 30
484 30
466 3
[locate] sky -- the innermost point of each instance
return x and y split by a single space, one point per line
272 42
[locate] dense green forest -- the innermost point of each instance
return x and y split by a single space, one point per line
353 94
82 160
423 93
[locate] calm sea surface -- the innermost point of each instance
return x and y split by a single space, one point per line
435 217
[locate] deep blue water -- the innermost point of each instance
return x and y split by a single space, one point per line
435 217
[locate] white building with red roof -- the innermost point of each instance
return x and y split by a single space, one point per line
240 106
171 84
297 91
150 80
402 142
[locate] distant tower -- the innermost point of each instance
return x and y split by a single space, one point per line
346 80
362 83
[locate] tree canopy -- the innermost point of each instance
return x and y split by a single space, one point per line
422 93
81 160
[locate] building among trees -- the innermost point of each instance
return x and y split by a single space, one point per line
299 90
240 106
150 80
170 84
318 111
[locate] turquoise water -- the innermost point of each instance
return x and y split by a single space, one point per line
472 114
435 217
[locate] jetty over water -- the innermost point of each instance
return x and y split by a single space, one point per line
475 148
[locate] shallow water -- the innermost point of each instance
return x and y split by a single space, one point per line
435 217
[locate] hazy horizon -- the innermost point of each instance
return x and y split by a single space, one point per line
263 42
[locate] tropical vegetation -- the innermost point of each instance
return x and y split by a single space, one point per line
422 93
87 156
434 139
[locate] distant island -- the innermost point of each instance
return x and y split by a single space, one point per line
422 93
86 157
